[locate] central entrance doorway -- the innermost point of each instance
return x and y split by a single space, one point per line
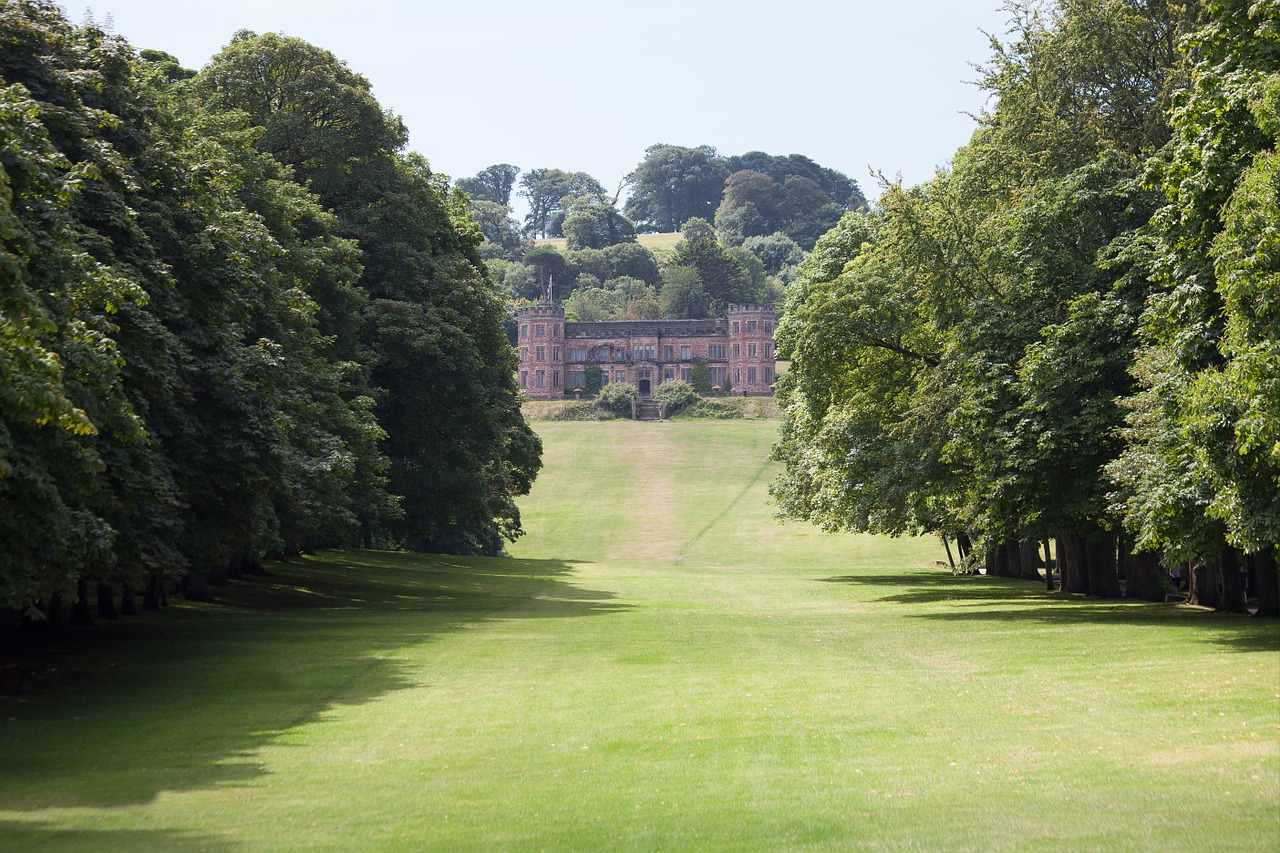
642 382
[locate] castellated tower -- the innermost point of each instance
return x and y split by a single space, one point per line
751 355
541 342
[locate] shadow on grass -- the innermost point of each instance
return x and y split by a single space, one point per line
184 699
978 597
38 836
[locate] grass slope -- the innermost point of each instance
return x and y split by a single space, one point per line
661 245
661 666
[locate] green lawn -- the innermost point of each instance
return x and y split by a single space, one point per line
660 666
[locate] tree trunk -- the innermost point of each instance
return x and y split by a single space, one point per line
991 561
106 602
151 597
194 588
965 544
1012 559
1205 586
1264 567
1071 563
1232 589
80 608
1029 558
128 602
951 560
54 614
1048 567
1143 576
1104 582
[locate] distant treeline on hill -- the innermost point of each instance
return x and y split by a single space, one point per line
235 317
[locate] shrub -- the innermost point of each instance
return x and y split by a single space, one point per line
676 395
700 377
594 380
617 397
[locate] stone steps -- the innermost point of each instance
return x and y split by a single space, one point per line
647 410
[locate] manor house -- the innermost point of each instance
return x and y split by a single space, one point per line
555 355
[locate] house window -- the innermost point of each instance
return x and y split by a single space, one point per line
768 350
524 353
684 374
637 353
736 327
541 353
648 351
669 374
715 351
751 325
751 376
751 350
737 350
555 330
555 353
524 379
540 330
719 376
575 379
555 379
737 376
768 376
686 353
540 378
524 331
768 327
668 353
620 376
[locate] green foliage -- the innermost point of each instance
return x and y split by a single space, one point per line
676 395
673 184
547 192
617 398
592 222
700 377
493 184
1202 465
682 296
724 278
594 379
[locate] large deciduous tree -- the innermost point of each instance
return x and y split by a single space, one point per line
439 364
674 184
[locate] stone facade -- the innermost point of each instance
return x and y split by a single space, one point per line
554 355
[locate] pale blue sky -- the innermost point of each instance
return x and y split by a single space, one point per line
587 86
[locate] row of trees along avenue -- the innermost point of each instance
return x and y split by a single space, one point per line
1073 332
235 317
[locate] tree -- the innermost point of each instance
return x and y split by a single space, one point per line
439 360
779 253
673 184
682 295
723 277
593 222
839 188
1201 471
501 233
546 191
493 184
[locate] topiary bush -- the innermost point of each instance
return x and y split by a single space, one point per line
617 397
